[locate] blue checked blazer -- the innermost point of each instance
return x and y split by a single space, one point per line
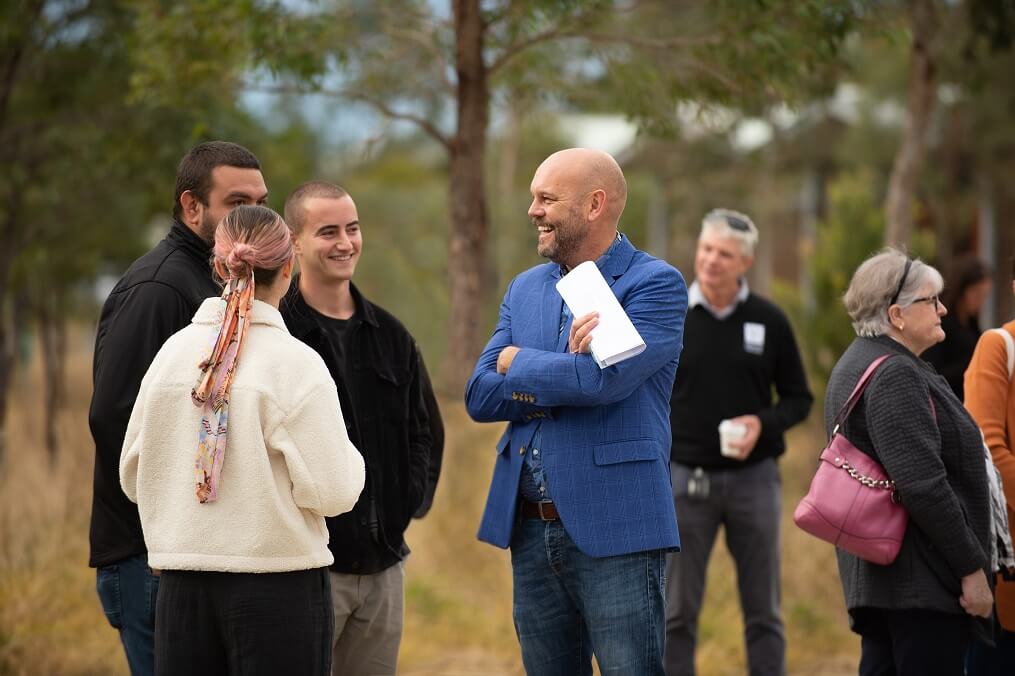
605 433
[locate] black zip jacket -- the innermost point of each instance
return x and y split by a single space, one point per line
392 418
155 298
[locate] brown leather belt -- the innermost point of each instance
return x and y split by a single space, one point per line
546 511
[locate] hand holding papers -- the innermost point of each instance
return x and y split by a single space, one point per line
615 338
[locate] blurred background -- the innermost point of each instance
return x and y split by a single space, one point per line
839 126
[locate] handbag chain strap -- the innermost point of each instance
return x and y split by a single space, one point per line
886 484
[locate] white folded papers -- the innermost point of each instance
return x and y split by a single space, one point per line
615 338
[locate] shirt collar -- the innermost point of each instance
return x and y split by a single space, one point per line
602 260
301 322
696 297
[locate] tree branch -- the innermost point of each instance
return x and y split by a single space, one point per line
517 48
425 125
428 43
714 73
653 44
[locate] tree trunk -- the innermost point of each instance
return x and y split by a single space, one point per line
657 236
53 335
988 243
468 266
8 346
8 352
920 99
505 206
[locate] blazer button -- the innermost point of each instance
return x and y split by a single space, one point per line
521 450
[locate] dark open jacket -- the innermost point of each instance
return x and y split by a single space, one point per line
935 456
393 420
155 298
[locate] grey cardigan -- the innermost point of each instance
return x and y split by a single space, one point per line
935 458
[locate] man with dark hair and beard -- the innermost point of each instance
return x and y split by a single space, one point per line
155 298
581 486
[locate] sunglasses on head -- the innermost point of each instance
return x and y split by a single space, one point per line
737 223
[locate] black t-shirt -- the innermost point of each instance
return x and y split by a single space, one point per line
338 332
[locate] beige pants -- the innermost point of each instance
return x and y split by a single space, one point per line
369 610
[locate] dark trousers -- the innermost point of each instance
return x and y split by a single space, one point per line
244 623
746 502
983 660
911 642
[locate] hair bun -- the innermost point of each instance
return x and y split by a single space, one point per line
241 257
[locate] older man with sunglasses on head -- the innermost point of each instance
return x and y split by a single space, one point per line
737 345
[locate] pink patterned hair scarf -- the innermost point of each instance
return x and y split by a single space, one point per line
249 238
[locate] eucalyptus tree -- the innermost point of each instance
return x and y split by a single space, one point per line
444 68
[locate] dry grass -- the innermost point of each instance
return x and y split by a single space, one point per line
458 610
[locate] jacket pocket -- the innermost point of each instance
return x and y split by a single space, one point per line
107 584
629 450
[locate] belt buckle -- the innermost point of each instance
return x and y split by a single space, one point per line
540 508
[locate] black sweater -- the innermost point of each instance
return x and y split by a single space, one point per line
721 375
155 298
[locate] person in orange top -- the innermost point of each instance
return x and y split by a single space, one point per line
990 398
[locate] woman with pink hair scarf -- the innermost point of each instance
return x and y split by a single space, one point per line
235 452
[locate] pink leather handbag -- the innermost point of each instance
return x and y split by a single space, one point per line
852 503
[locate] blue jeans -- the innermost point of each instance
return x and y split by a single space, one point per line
569 606
127 590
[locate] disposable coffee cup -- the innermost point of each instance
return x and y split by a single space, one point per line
730 432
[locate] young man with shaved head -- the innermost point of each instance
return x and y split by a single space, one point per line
155 298
391 415
581 488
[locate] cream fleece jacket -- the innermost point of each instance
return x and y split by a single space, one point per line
288 461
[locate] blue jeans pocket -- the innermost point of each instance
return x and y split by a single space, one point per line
107 584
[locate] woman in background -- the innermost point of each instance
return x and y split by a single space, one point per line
990 398
917 615
966 289
235 452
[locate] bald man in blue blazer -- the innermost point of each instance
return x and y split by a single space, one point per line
581 485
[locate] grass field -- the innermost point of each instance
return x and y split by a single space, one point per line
458 610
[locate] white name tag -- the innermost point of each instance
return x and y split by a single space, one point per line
754 337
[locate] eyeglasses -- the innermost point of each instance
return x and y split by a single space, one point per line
902 282
737 223
930 299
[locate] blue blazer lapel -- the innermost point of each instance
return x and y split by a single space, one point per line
549 314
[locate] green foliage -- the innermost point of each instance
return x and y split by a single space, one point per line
851 232
90 163
401 200
83 161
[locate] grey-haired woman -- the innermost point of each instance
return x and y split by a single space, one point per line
917 615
